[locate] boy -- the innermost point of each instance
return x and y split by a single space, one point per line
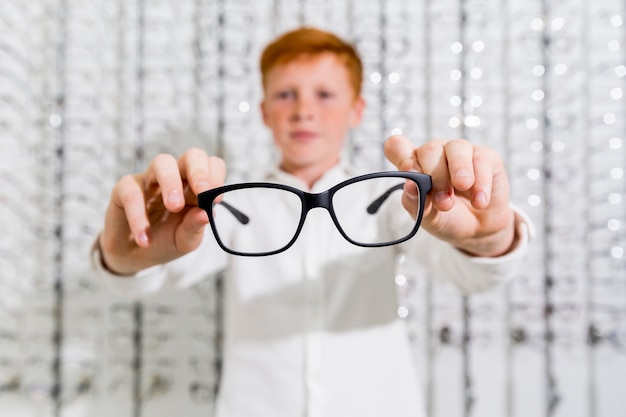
313 330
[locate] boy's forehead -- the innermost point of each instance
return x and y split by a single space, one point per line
309 60
311 63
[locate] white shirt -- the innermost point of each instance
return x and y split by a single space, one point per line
314 331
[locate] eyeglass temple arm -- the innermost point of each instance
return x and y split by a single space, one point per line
375 205
242 218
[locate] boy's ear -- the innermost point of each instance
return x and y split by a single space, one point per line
263 111
357 111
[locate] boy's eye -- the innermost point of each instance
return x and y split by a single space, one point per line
287 94
325 94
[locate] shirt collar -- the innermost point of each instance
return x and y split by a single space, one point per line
336 174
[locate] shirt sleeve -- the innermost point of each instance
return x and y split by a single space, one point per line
206 260
471 274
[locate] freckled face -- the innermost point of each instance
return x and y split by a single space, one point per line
310 106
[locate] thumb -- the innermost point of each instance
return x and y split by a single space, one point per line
190 232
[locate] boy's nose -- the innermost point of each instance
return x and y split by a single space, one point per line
303 110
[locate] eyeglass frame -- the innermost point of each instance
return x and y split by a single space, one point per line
310 201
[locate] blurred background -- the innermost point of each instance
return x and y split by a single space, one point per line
91 90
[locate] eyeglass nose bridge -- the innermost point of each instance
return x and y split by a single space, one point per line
312 201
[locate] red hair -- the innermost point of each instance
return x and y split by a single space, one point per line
309 42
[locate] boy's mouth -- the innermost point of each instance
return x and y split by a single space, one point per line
303 135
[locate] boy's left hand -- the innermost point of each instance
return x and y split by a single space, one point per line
468 205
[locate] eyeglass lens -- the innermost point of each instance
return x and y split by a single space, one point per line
272 218
370 211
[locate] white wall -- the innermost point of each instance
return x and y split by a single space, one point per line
91 90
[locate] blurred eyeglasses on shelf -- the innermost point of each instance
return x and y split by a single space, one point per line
260 218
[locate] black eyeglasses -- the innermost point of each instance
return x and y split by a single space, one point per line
260 218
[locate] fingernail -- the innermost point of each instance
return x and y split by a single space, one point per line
174 197
202 186
142 237
480 197
462 173
441 196
411 193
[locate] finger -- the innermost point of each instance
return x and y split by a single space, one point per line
459 157
163 173
484 161
126 214
400 152
191 230
202 172
432 158
410 198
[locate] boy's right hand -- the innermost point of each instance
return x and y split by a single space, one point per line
153 217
